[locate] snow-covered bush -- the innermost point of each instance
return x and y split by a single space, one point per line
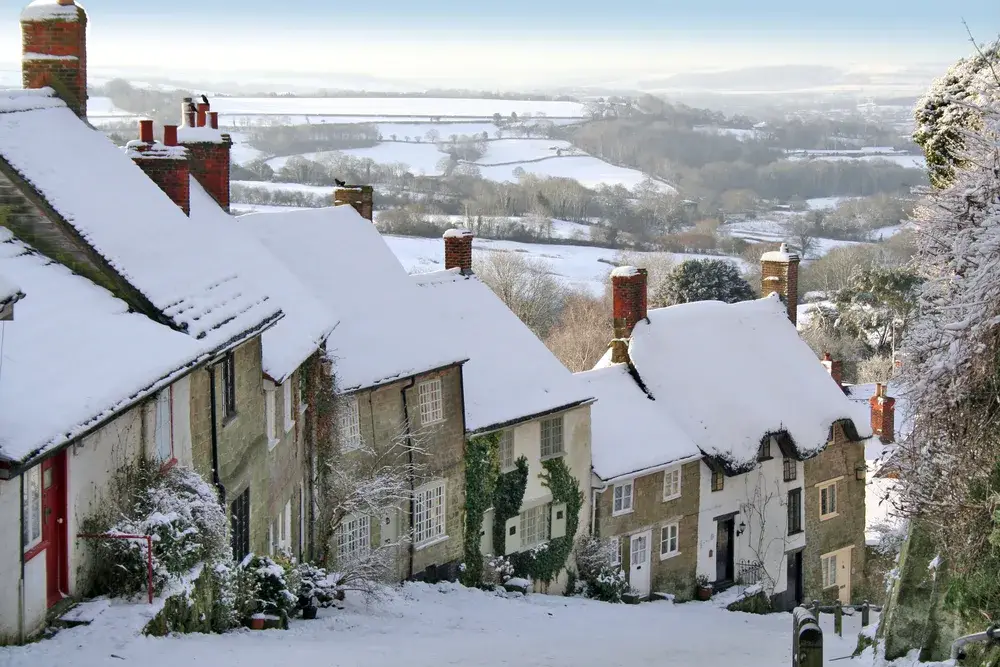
496 571
178 509
602 578
316 586
273 593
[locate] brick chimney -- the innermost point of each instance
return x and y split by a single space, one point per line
835 368
165 163
628 290
779 272
54 50
458 250
209 150
883 414
361 197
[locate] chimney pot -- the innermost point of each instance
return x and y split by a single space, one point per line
202 114
146 131
458 250
170 135
214 119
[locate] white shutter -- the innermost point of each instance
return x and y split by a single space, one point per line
558 520
486 541
512 541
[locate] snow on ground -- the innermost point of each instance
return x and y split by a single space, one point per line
445 130
588 171
826 203
582 267
243 209
394 106
445 624
739 133
242 152
326 190
772 230
902 159
521 150
560 229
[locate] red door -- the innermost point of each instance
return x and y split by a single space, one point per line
54 526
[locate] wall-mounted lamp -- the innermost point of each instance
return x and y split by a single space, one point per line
742 527
859 472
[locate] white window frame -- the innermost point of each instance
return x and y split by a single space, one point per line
430 505
507 450
832 498
270 416
553 445
31 500
354 536
535 526
431 400
672 490
666 529
349 418
622 497
828 570
616 546
286 404
163 425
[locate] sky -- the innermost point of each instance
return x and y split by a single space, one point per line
512 42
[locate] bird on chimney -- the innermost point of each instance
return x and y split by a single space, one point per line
204 98
191 107
339 182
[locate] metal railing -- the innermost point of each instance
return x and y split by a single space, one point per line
749 572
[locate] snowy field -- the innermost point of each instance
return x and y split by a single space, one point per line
422 625
867 154
520 150
772 230
387 107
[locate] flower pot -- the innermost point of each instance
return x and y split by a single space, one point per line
309 612
257 623
704 593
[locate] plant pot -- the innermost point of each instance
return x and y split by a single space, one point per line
257 623
309 612
704 593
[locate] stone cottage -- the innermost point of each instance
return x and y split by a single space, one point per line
748 408
517 391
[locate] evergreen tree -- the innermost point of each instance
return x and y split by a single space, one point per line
702 280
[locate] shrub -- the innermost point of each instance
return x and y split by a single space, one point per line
754 600
603 579
316 584
497 570
273 596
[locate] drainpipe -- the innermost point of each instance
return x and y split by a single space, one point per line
595 497
216 480
409 453
20 583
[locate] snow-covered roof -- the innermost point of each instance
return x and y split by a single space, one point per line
137 230
384 332
307 321
203 135
9 291
48 10
733 373
510 375
630 432
74 355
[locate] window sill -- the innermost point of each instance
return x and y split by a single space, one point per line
432 423
791 479
289 426
35 550
765 458
623 512
272 443
229 419
548 457
430 543
303 408
664 557
667 499
825 517
795 532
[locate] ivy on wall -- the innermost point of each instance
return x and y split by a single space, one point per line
507 500
545 562
482 467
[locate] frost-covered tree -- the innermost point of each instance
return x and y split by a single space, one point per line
525 285
703 280
951 362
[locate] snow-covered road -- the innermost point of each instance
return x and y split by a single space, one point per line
434 626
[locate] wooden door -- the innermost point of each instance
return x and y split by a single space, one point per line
639 568
54 527
724 550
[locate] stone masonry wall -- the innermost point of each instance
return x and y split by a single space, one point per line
847 529
381 415
650 512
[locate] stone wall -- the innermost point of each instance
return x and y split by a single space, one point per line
677 573
847 529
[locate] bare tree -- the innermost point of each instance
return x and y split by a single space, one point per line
525 285
583 332
657 264
801 232
763 504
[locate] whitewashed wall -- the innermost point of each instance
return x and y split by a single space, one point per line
766 540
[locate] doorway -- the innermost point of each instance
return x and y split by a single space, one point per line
724 556
795 587
639 578
53 472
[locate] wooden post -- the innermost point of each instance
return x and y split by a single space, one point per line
815 610
838 618
864 614
807 639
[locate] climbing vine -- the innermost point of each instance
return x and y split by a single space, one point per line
482 467
546 561
507 500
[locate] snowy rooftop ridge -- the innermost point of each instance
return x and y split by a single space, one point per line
780 255
478 325
624 272
631 433
16 99
201 135
732 374
49 10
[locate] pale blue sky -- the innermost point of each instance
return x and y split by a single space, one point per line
529 40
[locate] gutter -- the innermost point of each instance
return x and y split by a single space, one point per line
642 472
499 426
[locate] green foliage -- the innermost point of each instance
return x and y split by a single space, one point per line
274 594
703 280
757 603
482 467
545 562
507 497
601 578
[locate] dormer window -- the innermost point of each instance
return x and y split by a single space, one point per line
764 453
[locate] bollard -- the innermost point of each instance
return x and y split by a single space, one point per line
807 639
864 614
815 610
838 619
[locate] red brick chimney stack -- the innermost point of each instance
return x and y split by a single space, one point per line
628 290
166 163
458 250
779 272
835 368
54 50
209 150
361 197
883 414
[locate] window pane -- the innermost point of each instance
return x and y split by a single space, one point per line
507 450
350 424
287 403
429 395
270 408
163 434
552 436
